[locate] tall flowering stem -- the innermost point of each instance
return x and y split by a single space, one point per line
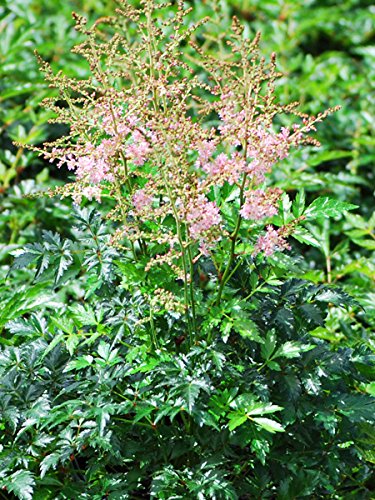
186 276
233 238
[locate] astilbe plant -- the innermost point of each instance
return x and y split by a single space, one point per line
185 348
183 187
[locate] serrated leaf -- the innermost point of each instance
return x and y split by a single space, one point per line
286 205
56 340
48 462
167 410
235 420
189 392
260 447
272 365
335 296
269 425
20 326
302 235
84 315
51 239
324 156
143 411
370 388
369 456
312 385
71 342
104 350
21 483
285 319
225 329
218 358
312 314
247 329
357 233
357 407
298 205
365 243
64 261
263 409
292 349
268 346
327 207
79 363
25 259
63 323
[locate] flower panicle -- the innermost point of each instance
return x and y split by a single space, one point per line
148 133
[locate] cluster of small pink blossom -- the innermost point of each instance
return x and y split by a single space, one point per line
94 163
113 119
147 128
266 148
141 200
89 192
139 149
205 150
201 216
232 122
224 168
91 163
270 242
258 205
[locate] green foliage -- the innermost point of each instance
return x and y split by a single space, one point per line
276 397
26 26
89 406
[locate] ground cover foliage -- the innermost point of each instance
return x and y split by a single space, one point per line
109 391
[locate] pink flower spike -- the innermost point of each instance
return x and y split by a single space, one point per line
258 205
271 242
201 216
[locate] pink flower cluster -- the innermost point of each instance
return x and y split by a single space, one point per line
233 122
141 200
113 119
270 242
205 150
258 205
89 192
201 216
266 148
91 163
224 168
116 123
139 149
96 163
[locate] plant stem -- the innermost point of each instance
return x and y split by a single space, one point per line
191 286
234 235
154 341
151 51
329 268
131 422
184 264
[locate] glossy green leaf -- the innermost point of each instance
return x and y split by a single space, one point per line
327 207
268 424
